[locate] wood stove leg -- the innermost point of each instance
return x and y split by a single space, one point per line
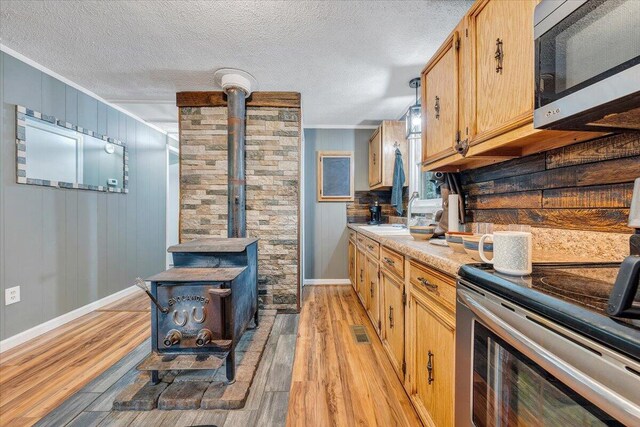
231 366
155 378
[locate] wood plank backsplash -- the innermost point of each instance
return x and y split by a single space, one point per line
585 186
358 210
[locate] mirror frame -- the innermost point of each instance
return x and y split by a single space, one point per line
21 153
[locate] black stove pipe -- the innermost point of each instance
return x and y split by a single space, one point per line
236 221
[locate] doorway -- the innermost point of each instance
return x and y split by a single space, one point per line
173 199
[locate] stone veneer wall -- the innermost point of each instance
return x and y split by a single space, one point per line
273 178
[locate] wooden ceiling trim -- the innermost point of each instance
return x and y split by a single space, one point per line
257 99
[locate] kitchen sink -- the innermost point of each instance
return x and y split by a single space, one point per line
387 229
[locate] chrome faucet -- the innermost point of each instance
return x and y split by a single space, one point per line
411 200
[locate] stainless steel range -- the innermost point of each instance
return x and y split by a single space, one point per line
540 349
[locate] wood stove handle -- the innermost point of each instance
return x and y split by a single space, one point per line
220 293
142 285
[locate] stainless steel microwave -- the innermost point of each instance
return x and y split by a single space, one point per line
587 65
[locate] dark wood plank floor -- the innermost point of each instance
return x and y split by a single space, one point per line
74 384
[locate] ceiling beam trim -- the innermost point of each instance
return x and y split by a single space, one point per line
256 99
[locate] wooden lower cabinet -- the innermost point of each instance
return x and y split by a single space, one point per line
393 320
352 265
412 308
430 359
360 274
373 280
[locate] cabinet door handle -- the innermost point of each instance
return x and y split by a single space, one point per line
391 317
499 56
430 286
370 247
361 273
371 289
389 261
437 107
374 158
430 367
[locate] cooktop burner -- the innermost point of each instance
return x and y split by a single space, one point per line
586 285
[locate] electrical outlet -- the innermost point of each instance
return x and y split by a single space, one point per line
12 295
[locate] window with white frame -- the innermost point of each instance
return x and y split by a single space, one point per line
429 200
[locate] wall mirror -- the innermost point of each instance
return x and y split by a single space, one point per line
55 153
335 176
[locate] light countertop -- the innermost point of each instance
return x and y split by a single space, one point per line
439 257
446 260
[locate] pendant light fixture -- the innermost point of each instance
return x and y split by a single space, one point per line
413 118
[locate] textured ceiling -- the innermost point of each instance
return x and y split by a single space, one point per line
351 60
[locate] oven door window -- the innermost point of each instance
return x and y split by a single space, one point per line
597 40
509 389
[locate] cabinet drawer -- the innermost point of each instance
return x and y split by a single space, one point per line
438 286
392 261
352 235
371 246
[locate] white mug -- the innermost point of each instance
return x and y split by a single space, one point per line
512 252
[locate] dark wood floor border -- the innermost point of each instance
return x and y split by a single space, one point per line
265 406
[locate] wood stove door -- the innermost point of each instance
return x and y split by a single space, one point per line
196 320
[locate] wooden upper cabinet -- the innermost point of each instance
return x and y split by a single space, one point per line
502 50
375 158
382 153
485 68
440 80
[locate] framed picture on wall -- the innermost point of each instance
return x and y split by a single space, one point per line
335 176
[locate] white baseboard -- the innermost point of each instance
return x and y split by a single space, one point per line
327 282
47 326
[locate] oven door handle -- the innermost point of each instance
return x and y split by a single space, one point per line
606 399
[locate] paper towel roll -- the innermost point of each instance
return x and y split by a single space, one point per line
454 223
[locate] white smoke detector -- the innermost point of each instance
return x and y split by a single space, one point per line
232 77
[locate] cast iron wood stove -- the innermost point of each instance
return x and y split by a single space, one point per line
203 305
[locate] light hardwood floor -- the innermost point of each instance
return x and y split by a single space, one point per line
336 381
38 376
72 379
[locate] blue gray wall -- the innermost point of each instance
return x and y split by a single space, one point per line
326 237
68 248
